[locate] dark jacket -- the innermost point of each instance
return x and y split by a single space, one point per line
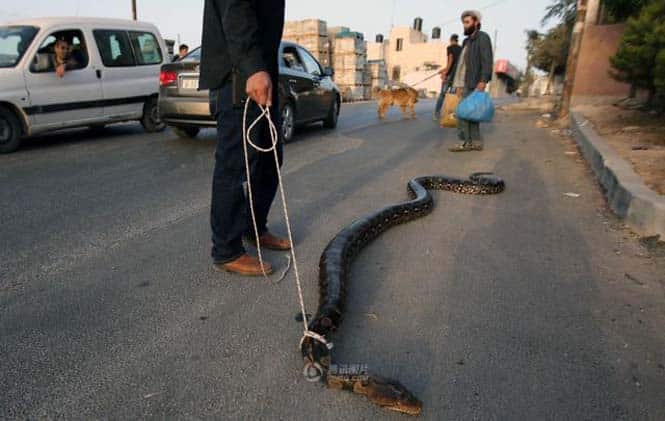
479 60
241 35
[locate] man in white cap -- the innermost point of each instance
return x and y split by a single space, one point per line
473 74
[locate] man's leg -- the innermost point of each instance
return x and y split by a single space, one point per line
227 216
474 133
264 175
439 101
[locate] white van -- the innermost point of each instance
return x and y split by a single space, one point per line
74 72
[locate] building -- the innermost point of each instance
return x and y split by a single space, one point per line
409 51
504 79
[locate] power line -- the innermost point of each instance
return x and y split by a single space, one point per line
489 6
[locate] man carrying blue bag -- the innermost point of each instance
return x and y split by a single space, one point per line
473 74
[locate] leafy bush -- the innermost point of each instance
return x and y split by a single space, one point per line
640 59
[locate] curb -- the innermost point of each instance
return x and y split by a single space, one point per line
642 208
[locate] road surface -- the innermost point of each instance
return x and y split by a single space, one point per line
528 305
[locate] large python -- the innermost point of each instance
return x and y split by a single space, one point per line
334 270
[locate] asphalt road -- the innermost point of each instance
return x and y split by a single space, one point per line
527 305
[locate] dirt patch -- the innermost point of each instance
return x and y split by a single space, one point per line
637 136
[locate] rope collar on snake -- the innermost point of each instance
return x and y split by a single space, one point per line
334 270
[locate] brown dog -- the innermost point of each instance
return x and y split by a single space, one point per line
404 97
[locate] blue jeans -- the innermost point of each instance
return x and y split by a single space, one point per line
445 87
230 218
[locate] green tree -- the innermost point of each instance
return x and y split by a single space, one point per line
550 52
566 10
639 59
532 39
659 80
620 10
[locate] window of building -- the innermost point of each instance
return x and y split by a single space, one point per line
396 73
400 44
115 48
146 48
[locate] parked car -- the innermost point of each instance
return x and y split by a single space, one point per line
307 93
113 76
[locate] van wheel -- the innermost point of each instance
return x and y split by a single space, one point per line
151 120
10 131
187 132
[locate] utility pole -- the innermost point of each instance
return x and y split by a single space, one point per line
573 57
496 41
134 14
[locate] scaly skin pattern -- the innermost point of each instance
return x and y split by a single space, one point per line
334 269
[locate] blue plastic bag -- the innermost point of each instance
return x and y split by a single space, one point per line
477 107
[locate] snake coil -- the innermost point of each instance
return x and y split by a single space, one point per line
334 269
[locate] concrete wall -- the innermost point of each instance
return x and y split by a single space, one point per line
417 51
592 81
376 51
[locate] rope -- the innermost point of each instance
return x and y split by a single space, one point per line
274 136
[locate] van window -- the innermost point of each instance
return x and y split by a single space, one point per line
14 41
72 52
146 48
114 47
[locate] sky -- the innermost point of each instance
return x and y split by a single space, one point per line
181 19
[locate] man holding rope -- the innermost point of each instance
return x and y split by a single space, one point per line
239 49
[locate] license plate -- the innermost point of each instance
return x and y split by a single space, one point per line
189 83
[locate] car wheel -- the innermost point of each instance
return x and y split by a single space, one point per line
333 115
288 122
10 131
151 120
186 132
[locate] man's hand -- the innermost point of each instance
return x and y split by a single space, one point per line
459 92
60 70
259 88
481 87
444 75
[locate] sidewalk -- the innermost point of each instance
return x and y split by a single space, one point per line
628 196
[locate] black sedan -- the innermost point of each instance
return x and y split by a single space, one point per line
307 93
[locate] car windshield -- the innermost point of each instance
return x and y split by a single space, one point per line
14 41
195 55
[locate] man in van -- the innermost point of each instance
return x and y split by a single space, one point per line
239 49
62 57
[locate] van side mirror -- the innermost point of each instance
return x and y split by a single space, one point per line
329 71
41 63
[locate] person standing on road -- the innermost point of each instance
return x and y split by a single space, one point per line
239 48
473 74
448 74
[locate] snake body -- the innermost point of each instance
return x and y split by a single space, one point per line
334 270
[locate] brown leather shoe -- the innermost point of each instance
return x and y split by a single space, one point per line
271 242
245 265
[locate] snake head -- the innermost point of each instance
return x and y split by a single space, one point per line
316 356
389 394
487 179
